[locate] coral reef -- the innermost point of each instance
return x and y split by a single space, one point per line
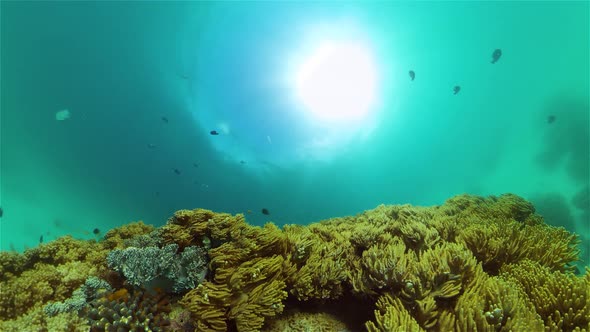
471 264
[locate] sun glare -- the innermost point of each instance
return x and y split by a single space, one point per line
337 82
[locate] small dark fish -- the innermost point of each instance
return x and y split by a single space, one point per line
1 212
96 231
242 162
265 211
412 74
41 239
151 146
165 119
214 132
456 89
157 193
496 55
551 119
195 165
177 171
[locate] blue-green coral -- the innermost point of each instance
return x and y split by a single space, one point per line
92 289
160 267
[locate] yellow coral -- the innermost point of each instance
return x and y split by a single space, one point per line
383 265
323 274
115 237
248 267
36 320
50 272
392 316
208 304
562 300
496 305
497 244
264 300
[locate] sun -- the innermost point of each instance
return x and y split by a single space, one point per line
337 82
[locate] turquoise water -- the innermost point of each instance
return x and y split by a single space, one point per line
520 125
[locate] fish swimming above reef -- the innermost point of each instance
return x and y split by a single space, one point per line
456 89
551 119
496 55
412 74
214 132
62 115
265 211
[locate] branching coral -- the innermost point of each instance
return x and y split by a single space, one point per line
497 305
249 266
391 316
208 304
562 300
496 244
323 274
383 265
255 290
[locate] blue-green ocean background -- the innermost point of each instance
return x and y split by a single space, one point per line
119 67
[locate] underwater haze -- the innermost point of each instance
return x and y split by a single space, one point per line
114 112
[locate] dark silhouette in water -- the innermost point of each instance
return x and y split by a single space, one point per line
554 208
496 55
151 146
566 143
195 165
412 74
265 212
41 238
214 132
165 119
1 212
456 89
177 171
96 231
581 200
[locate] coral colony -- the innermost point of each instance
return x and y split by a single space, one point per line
471 264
